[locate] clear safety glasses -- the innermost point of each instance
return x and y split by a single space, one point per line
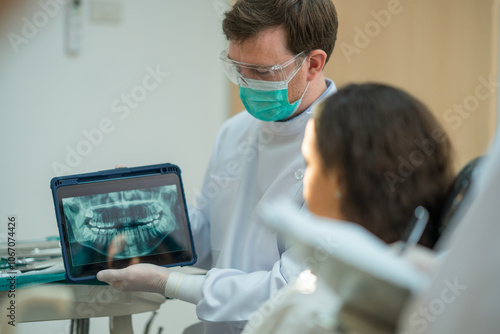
268 77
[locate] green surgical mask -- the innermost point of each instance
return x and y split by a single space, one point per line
269 104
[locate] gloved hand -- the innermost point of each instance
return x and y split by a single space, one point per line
138 277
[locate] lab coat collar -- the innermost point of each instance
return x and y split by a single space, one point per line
297 124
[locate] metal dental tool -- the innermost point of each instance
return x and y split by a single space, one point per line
415 229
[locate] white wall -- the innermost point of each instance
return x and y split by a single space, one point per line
49 99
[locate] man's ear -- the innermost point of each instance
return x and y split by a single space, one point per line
315 61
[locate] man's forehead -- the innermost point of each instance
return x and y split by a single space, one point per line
267 48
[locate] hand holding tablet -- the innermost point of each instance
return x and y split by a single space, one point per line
138 277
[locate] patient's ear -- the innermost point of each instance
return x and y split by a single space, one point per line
337 195
315 62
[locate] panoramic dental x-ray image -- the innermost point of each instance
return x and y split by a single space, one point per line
123 224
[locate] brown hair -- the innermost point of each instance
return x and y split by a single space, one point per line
391 156
309 24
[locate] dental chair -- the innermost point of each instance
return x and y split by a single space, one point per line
372 305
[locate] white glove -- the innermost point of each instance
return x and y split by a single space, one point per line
138 277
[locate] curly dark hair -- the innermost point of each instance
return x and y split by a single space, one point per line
309 24
391 156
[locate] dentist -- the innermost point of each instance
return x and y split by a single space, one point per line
276 55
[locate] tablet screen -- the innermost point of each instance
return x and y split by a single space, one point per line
116 223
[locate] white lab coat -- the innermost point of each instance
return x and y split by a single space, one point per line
253 162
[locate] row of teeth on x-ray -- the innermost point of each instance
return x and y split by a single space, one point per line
139 222
117 215
142 233
98 223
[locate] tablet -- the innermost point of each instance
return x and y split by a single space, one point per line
115 218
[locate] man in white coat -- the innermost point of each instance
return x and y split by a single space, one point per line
277 52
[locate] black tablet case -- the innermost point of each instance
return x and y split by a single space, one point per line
114 175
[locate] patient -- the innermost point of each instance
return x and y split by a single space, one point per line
373 154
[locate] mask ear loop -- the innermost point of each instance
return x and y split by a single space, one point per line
305 90
293 75
304 93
